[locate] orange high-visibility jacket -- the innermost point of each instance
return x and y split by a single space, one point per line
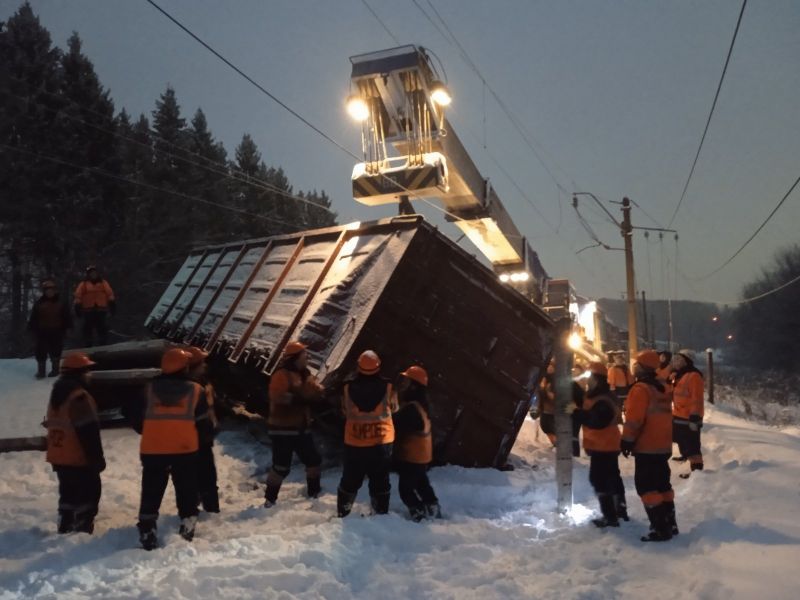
664 373
169 423
687 397
91 295
366 429
288 400
63 444
606 439
619 377
416 447
648 420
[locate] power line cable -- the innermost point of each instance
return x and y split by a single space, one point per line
710 114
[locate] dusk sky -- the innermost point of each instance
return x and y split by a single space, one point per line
616 95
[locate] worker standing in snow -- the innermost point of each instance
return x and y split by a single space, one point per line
175 421
208 492
367 404
292 389
665 370
601 440
49 321
413 448
647 435
94 299
74 448
547 403
687 410
620 380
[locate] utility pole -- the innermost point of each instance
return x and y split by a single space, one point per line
563 422
644 317
627 236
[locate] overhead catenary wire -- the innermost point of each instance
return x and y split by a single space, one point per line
380 22
710 115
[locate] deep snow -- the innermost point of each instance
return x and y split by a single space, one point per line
740 534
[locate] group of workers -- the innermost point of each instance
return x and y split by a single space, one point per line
383 427
51 318
660 402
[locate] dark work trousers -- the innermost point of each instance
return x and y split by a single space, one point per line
604 473
688 441
207 478
415 487
156 471
79 491
373 462
548 423
576 432
621 395
49 344
94 320
285 445
652 473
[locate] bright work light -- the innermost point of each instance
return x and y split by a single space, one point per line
357 108
439 94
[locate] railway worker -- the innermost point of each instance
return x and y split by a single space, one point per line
94 299
413 448
49 321
292 389
687 410
74 448
620 379
547 403
601 440
367 404
665 368
208 493
175 420
647 435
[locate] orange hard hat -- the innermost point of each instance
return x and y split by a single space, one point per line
598 368
174 360
294 348
417 374
648 359
76 361
196 355
369 363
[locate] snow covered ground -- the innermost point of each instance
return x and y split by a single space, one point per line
740 533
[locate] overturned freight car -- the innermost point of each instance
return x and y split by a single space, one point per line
397 286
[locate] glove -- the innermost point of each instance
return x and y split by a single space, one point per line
627 448
78 311
570 408
112 307
695 422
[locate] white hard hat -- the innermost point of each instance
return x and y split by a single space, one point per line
687 354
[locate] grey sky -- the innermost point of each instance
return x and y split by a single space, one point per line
616 93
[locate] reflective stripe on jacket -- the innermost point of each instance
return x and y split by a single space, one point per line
687 396
416 447
606 439
90 294
169 423
63 444
648 420
372 428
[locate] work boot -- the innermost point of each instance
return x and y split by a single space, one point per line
274 482
609 510
147 535
53 368
66 519
673 523
417 513
210 501
434 510
621 507
380 503
186 530
41 368
84 522
344 502
660 528
313 487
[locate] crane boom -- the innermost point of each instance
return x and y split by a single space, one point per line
401 101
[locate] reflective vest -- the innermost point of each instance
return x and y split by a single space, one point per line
648 420
366 429
687 396
90 294
619 380
287 411
169 422
606 439
63 445
416 447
